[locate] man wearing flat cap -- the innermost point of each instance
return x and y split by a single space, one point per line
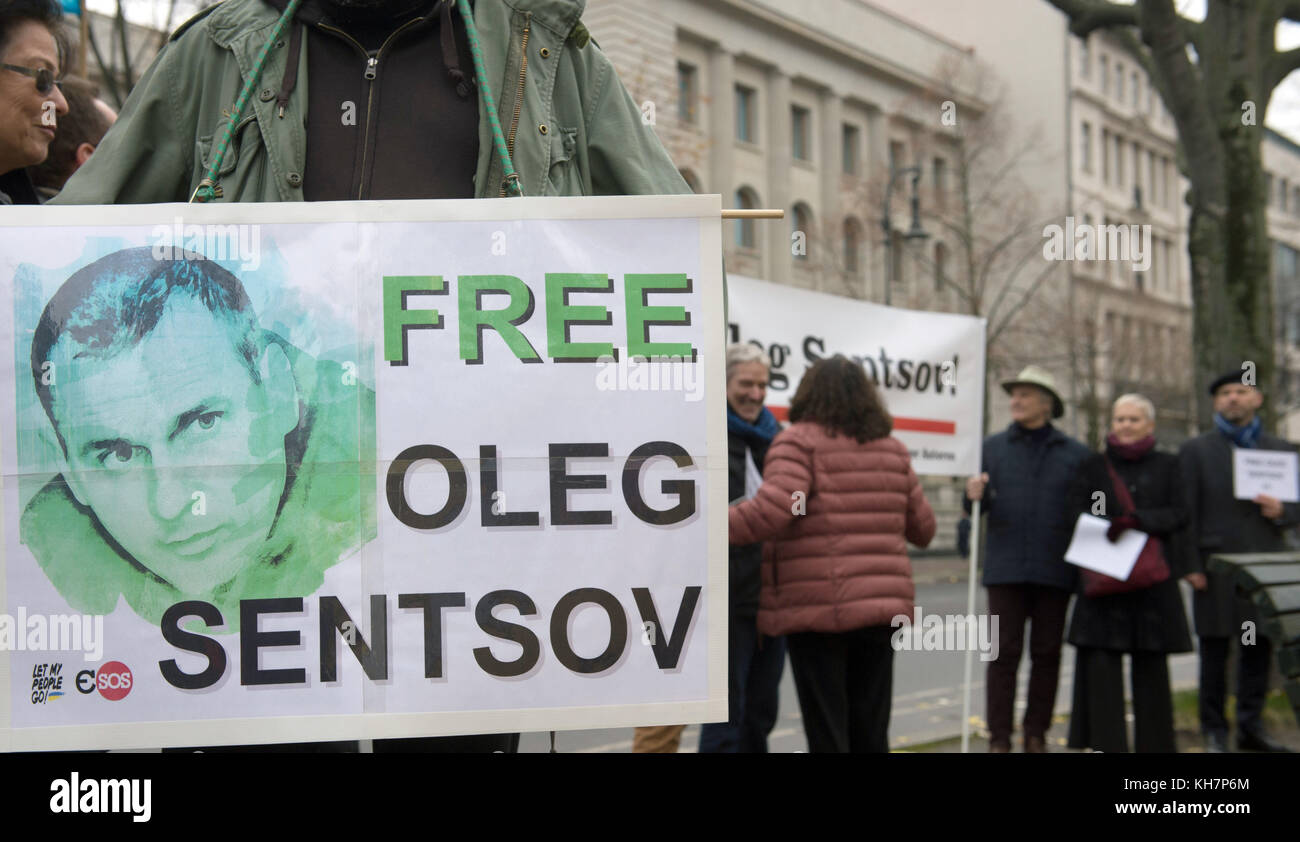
1220 523
1026 472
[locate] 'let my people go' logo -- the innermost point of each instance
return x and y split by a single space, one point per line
112 680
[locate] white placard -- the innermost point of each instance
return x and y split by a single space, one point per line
1090 548
1272 472
928 366
347 470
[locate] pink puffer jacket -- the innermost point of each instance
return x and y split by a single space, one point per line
836 515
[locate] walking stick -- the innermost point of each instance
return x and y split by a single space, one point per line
970 612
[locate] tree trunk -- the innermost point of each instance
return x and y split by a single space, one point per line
1218 102
1228 243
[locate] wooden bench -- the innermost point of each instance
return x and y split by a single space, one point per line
1272 582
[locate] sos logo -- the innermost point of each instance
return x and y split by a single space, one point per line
112 680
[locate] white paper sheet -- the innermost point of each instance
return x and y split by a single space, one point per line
1089 547
1271 472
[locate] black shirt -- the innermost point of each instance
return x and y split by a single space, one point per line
385 118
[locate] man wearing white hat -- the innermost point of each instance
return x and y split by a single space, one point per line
1026 471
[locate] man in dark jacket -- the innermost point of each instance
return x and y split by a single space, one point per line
31 52
755 660
1026 473
1220 523
88 119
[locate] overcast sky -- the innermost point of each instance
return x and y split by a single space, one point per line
1283 112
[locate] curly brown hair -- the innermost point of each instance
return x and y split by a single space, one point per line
837 394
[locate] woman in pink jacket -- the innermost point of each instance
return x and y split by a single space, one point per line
838 504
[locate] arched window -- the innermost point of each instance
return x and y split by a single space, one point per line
852 246
746 199
801 222
940 266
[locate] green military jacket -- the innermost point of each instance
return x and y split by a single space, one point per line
577 133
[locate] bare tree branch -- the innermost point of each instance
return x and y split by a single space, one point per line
1087 16
1281 65
120 23
110 78
1025 297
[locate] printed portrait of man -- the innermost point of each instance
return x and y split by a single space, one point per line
203 457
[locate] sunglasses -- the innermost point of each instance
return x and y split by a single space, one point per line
44 77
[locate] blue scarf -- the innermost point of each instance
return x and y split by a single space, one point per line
765 429
1246 436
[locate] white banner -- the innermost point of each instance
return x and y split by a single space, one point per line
929 366
366 469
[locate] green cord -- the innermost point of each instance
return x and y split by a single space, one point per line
513 187
208 188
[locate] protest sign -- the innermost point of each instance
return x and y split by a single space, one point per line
1275 473
365 469
929 366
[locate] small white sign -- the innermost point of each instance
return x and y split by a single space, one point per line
1091 549
1272 472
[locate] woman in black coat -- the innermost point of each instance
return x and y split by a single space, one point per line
1149 623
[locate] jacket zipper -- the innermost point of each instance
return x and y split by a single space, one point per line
519 93
371 72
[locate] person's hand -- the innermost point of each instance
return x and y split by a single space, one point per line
975 486
1118 525
1269 507
1196 580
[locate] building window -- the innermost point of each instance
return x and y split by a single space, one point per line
1105 156
687 94
1286 276
1151 177
1105 74
1136 89
746 118
852 245
1119 81
800 126
940 181
1137 174
1282 195
1119 161
1085 146
896 155
940 266
852 139
1159 271
1085 60
746 200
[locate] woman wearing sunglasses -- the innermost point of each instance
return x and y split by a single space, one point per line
31 54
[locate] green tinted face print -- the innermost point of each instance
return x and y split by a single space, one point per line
175 447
